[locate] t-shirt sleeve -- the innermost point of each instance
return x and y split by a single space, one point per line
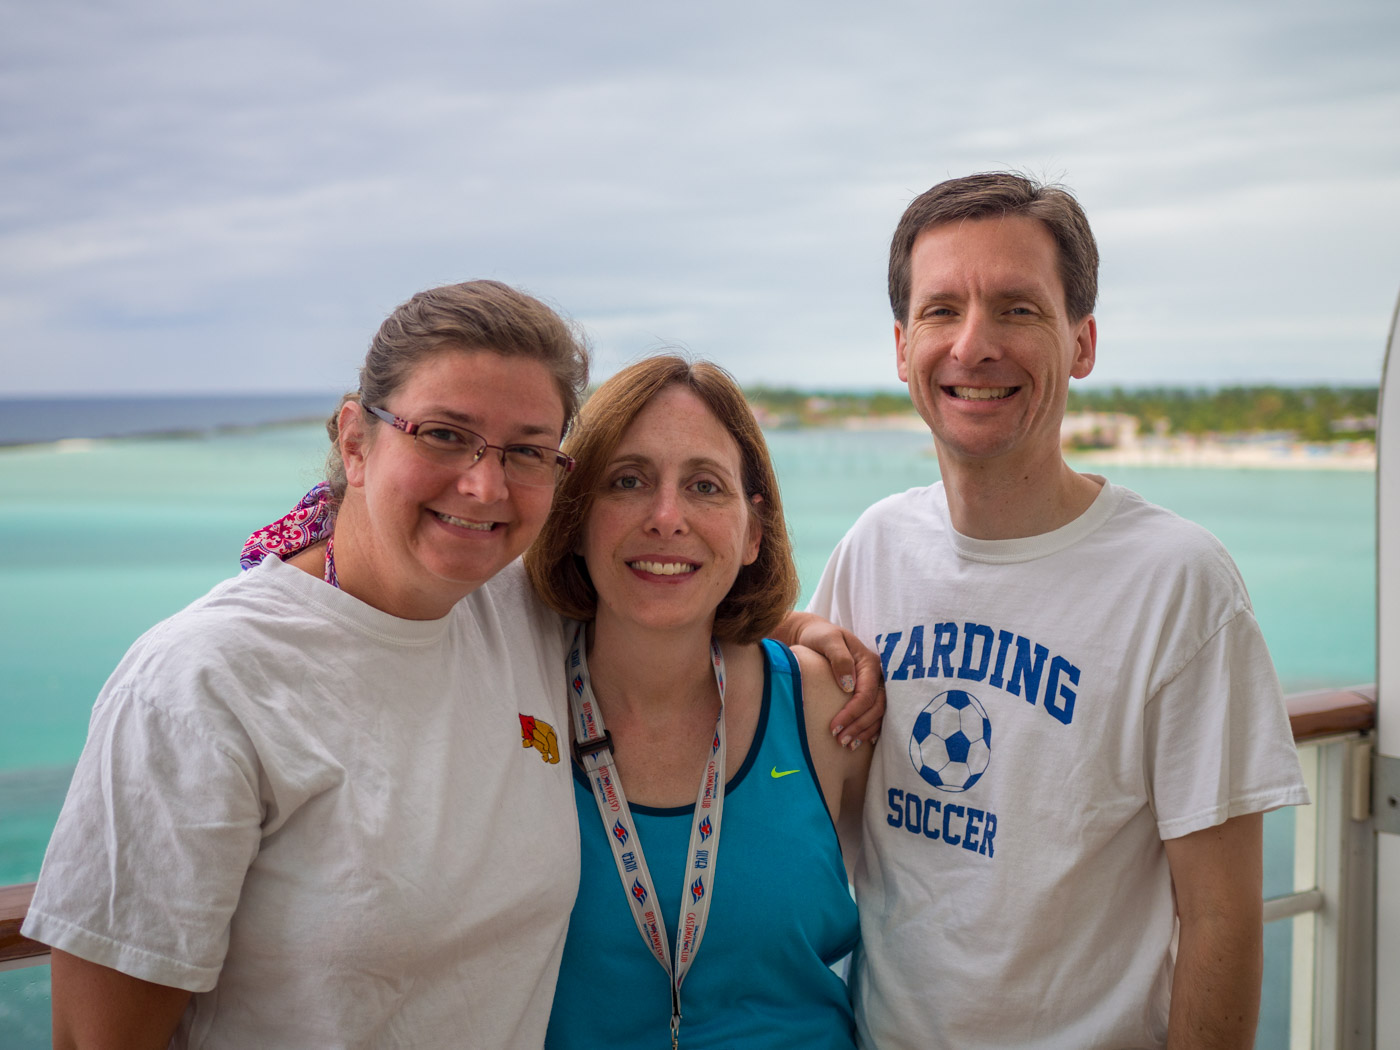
1217 743
824 601
145 866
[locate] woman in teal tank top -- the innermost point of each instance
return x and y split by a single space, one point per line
713 899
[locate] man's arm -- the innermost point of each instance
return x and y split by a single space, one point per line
1218 876
854 666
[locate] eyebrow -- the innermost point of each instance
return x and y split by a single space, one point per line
1034 295
463 419
1028 293
694 463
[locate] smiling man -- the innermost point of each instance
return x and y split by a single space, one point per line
1064 819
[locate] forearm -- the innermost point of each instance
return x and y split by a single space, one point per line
1218 877
1215 987
789 632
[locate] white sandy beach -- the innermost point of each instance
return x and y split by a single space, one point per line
1240 453
1279 455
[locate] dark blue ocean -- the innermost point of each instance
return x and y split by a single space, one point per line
29 420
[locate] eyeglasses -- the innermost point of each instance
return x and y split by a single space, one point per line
453 445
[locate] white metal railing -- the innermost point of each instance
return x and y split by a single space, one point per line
1332 907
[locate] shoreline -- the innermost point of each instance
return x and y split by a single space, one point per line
1195 453
1204 453
184 433
1355 456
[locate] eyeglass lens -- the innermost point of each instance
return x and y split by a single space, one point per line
526 464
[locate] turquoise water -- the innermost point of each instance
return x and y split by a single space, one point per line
99 543
1304 539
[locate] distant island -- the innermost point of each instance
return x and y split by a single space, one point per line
1261 426
1256 426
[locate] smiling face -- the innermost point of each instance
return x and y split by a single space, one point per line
987 348
430 533
670 526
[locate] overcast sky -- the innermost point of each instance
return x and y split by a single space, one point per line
200 197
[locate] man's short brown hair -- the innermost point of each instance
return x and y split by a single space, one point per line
992 195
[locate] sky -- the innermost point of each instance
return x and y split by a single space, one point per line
228 198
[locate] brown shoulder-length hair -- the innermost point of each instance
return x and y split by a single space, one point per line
763 592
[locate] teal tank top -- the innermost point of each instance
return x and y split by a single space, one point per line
781 914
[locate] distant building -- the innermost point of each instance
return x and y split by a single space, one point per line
1353 425
1099 430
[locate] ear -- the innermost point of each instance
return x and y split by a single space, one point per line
754 541
354 442
1086 339
901 352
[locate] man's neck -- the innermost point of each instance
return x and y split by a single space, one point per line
993 501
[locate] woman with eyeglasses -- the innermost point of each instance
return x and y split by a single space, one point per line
324 805
714 899
329 804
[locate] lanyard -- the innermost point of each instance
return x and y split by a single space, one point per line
593 750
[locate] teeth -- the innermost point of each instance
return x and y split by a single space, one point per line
982 393
662 568
479 526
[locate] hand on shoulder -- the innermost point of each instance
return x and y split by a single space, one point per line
854 666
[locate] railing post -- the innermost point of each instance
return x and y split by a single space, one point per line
1307 837
1385 1002
1342 974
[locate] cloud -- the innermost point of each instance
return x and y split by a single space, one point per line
215 198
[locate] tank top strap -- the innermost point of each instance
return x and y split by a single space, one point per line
785 747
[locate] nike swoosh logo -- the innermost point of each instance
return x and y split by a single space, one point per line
785 773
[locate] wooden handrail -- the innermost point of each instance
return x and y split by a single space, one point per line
14 902
1313 716
1328 712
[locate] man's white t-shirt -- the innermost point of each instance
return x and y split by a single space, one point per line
1057 706
322 820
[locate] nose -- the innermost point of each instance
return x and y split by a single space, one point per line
484 479
975 340
666 514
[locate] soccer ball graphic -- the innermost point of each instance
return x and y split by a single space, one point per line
951 744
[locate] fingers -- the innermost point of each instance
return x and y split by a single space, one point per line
857 671
860 720
844 717
843 664
865 725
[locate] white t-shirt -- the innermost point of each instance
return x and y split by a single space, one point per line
1057 706
322 820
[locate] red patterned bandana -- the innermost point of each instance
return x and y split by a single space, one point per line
310 521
